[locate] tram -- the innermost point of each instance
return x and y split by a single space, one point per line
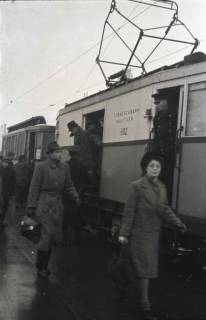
126 112
29 137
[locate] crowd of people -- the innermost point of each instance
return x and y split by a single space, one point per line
14 183
56 188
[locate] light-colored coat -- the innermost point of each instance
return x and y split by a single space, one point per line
48 183
145 209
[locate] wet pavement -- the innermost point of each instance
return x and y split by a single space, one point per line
23 297
80 287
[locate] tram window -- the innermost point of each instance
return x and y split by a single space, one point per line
15 145
38 145
12 143
20 144
196 112
8 143
22 138
38 142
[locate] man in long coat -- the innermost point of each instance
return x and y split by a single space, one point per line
50 180
165 126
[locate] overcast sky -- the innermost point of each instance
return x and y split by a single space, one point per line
48 50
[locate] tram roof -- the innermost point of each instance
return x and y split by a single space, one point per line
34 128
188 60
26 123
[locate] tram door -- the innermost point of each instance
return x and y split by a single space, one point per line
165 133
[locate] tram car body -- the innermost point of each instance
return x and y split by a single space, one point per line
29 138
127 111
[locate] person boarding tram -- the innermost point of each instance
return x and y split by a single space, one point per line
89 145
81 140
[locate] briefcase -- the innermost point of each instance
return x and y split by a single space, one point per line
121 268
30 229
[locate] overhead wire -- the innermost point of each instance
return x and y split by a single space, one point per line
101 82
151 62
81 55
54 73
69 63
91 71
72 95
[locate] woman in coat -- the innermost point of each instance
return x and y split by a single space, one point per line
144 212
50 180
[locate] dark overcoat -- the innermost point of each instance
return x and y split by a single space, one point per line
145 209
48 183
84 156
8 182
1 196
23 173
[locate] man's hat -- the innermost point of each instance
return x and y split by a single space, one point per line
52 146
159 96
72 124
149 156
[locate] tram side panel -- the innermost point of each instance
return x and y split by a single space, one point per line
120 166
126 134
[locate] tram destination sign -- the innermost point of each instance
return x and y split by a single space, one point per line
124 123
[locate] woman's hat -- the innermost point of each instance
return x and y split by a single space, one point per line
53 146
149 156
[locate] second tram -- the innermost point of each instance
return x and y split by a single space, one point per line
29 137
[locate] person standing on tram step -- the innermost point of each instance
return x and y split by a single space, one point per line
145 209
82 140
164 130
50 180
164 124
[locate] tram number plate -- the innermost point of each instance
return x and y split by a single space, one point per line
123 131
